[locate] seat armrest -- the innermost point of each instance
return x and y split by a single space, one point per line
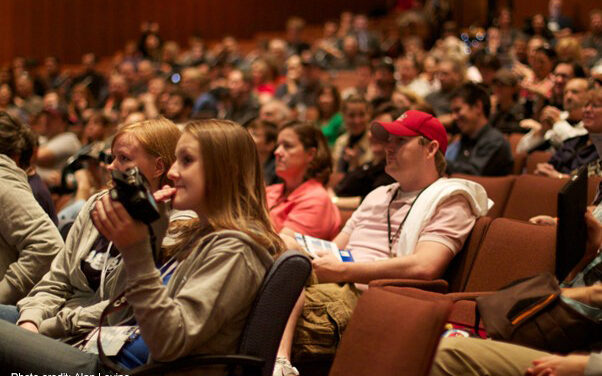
193 361
438 285
455 296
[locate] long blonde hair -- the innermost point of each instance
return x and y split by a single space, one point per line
234 188
158 138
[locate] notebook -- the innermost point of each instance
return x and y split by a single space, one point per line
316 247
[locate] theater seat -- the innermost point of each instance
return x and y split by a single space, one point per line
499 252
511 250
457 273
535 158
533 195
345 215
498 190
519 158
592 188
391 334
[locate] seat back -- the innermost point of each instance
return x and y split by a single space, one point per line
275 301
459 269
593 182
533 195
535 158
498 190
511 250
390 334
345 215
513 140
519 158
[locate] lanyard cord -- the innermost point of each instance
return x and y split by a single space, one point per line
390 238
105 267
119 302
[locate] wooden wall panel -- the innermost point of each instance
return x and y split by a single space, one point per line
68 28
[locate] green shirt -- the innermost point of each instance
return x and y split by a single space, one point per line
333 128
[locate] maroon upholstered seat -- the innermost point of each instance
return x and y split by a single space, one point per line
391 334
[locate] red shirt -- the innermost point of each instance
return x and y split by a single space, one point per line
308 210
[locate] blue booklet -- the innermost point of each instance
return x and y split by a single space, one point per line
314 247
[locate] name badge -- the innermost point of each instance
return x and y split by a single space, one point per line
113 339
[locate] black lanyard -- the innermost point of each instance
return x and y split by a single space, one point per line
394 237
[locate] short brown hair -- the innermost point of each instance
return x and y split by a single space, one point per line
312 137
12 135
355 98
270 130
440 162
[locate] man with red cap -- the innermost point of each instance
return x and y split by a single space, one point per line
409 229
414 227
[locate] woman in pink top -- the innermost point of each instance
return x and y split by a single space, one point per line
301 203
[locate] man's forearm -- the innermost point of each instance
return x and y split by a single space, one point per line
396 268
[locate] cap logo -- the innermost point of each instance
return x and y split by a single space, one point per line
403 116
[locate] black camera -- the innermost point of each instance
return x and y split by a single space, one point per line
91 152
131 190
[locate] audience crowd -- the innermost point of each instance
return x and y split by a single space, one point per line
253 145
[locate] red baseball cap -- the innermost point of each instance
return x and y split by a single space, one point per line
413 123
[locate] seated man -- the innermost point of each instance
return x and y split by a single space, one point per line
472 356
29 240
581 150
482 149
409 229
557 126
58 144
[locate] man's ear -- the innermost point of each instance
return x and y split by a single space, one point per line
432 148
478 104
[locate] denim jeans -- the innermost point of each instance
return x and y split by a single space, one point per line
22 351
9 313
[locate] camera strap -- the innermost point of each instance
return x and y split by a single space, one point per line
105 267
117 304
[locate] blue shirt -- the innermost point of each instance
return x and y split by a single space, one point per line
135 352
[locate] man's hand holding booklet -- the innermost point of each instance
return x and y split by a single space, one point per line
318 247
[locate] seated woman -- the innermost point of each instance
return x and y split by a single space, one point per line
67 301
301 203
198 301
352 149
330 119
